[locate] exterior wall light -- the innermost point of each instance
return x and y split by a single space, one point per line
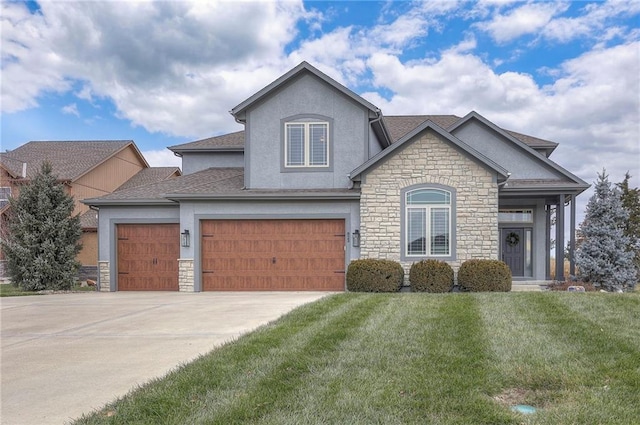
355 238
185 238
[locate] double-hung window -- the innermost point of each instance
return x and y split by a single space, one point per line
306 144
428 223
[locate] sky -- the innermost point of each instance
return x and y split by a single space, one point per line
165 73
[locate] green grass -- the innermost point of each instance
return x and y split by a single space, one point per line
8 290
413 359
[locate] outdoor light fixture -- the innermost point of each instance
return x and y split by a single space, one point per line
185 238
355 238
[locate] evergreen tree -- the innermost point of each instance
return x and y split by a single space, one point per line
42 238
631 202
603 257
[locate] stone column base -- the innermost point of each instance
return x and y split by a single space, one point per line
104 276
185 275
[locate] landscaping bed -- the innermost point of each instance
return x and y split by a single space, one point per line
413 359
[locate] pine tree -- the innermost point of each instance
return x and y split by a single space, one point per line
603 257
42 237
631 202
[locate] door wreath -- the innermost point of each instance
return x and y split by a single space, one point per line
513 239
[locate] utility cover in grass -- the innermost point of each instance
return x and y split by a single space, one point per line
523 408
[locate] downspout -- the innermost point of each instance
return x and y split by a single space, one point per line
504 183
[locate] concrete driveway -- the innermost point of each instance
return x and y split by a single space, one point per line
67 354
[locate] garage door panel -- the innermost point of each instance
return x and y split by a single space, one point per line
273 254
148 257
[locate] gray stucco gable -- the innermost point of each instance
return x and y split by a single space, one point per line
555 170
410 137
239 112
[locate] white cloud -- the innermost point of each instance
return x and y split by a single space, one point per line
71 109
526 19
153 60
162 158
595 22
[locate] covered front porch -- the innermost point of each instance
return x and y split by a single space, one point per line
536 219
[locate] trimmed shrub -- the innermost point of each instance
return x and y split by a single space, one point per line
370 275
431 276
484 276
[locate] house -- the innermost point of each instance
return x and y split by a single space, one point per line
87 169
320 177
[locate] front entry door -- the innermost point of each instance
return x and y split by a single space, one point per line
512 244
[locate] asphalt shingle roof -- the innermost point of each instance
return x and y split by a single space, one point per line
398 126
69 159
225 141
211 180
150 175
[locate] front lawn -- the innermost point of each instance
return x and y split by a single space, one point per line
413 359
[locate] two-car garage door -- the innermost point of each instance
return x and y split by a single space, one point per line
278 255
237 255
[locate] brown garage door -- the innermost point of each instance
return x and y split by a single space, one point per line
148 257
273 255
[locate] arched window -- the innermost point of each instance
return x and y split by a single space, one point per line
428 222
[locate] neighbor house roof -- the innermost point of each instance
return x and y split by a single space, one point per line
89 220
69 159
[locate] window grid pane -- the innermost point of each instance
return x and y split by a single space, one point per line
318 142
439 231
295 144
428 196
416 231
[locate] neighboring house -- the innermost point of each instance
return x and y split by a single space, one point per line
319 177
87 169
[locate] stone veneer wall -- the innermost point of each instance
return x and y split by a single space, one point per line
185 275
104 276
429 160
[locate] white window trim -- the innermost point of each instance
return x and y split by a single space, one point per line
307 144
427 208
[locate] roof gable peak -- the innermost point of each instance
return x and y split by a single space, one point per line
303 67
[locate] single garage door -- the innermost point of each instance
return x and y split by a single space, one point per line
273 255
148 257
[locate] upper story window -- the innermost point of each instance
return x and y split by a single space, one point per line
428 223
307 144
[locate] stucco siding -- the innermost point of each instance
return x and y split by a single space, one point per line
198 161
430 160
305 95
503 152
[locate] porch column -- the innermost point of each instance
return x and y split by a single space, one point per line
547 244
572 237
560 239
